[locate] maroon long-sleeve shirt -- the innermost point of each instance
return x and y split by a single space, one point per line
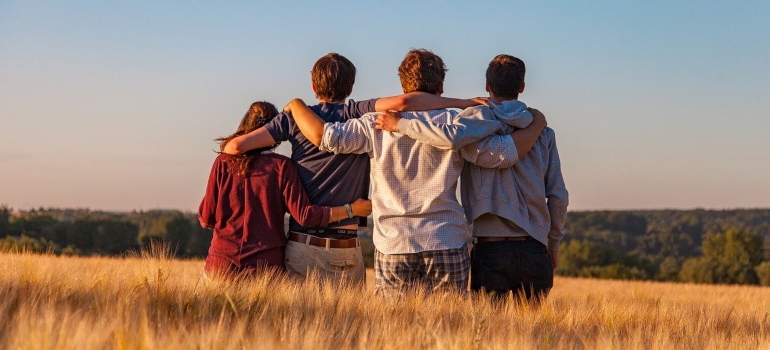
247 212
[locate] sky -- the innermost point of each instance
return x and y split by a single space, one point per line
114 105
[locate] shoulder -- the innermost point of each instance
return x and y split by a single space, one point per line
278 124
276 158
365 104
355 109
477 112
222 158
548 134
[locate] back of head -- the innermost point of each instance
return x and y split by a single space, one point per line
505 76
422 70
333 77
259 114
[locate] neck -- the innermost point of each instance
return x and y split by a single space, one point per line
330 101
497 99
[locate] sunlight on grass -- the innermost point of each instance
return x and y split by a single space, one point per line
152 301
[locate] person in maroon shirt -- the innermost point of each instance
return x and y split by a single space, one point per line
246 199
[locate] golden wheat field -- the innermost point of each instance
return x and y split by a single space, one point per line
152 301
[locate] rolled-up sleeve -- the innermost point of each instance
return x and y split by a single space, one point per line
352 136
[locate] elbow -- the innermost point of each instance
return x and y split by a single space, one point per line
233 147
316 140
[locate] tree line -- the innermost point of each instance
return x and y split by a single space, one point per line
86 232
703 246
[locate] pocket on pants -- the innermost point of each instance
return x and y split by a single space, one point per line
343 264
345 259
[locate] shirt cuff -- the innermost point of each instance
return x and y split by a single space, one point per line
328 138
553 244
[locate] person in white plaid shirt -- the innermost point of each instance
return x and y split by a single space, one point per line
419 227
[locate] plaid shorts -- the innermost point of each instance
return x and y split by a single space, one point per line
429 270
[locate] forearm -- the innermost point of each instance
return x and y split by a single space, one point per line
309 123
256 139
361 207
458 133
526 138
420 101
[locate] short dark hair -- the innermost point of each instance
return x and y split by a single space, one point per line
422 70
333 77
505 76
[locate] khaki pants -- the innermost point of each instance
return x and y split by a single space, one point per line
336 264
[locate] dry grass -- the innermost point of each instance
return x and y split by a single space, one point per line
155 302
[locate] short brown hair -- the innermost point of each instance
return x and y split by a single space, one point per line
333 77
422 70
505 76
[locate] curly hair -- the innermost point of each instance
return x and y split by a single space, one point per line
422 70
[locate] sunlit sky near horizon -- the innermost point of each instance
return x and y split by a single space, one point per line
115 105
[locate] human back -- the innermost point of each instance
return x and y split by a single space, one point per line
246 198
416 188
329 179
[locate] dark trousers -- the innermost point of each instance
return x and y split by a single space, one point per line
521 267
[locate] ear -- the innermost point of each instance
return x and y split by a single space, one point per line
441 89
522 87
489 89
312 85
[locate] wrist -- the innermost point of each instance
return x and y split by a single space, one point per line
349 210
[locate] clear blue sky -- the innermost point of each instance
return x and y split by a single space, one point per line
114 105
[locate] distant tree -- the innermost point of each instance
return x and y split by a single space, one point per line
668 269
763 273
81 235
5 219
699 270
766 248
576 257
728 258
200 240
178 230
114 236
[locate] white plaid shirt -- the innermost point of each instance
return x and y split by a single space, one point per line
414 204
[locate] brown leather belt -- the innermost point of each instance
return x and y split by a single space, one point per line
500 239
323 242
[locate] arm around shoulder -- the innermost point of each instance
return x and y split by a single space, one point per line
256 139
420 101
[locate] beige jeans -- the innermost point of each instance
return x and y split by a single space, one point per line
336 264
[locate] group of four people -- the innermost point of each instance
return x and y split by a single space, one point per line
512 189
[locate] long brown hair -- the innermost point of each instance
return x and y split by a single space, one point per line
259 114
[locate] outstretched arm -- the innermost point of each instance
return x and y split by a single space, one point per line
349 137
256 139
309 123
471 125
420 101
